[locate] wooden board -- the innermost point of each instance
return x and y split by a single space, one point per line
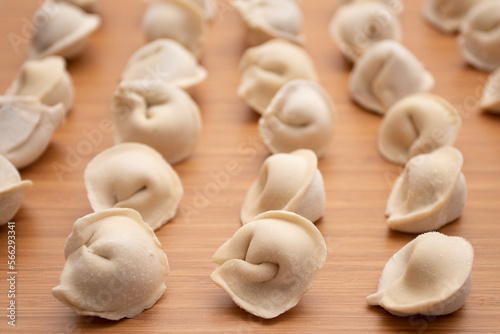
357 179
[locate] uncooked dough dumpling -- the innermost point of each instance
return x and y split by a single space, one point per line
479 38
269 263
446 15
419 123
268 19
46 79
165 60
429 194
431 275
385 73
301 115
180 20
62 29
26 127
290 182
267 67
12 190
115 267
490 100
133 175
358 25
87 5
156 114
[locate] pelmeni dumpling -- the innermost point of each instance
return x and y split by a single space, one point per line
165 60
12 190
491 94
419 123
290 182
446 15
301 115
479 38
429 194
431 275
114 267
46 79
133 175
156 114
269 263
359 24
26 127
180 20
268 19
396 6
385 73
267 67
62 29
87 5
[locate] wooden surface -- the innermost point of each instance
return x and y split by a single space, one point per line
357 180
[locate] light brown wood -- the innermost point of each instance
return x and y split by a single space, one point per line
358 181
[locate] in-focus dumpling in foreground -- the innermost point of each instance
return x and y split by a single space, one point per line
491 94
114 267
269 263
133 175
156 114
290 182
419 123
446 15
385 73
431 275
301 115
12 190
429 194
267 67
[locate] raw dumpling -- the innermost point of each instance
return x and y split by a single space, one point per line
133 175
431 275
359 24
165 60
386 73
180 20
446 15
87 5
268 19
301 115
12 190
114 267
491 94
395 6
267 67
156 114
26 127
479 38
429 194
47 80
290 182
270 263
417 124
64 31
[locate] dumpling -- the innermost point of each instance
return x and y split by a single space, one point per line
26 127
180 20
64 31
301 115
12 190
359 24
395 6
156 114
133 175
429 194
385 73
431 275
165 60
290 182
479 38
490 100
268 19
87 5
267 67
419 123
208 7
269 263
46 79
446 15
114 267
